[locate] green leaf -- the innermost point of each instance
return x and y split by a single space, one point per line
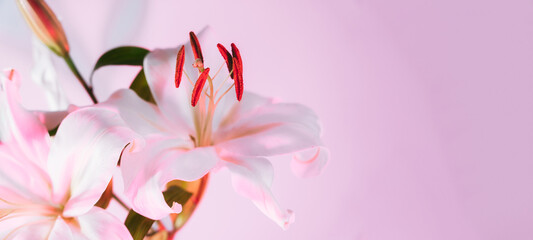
127 55
140 86
139 225
53 131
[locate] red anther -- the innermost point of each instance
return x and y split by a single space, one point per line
180 60
198 87
196 49
227 57
236 54
237 70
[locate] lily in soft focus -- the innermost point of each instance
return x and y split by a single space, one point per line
197 126
48 187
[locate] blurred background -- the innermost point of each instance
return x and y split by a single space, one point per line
427 106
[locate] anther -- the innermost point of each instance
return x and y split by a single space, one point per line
237 70
198 87
180 60
227 57
196 49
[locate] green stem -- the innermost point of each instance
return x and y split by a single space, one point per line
76 73
121 202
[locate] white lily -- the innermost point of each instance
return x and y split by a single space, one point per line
187 142
48 187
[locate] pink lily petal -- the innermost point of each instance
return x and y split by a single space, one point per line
26 227
159 67
310 162
20 128
100 224
271 140
147 172
52 119
61 230
21 180
260 127
83 155
142 116
252 177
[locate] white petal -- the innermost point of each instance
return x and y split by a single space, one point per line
100 224
143 117
52 119
147 172
310 162
271 140
19 128
251 177
83 155
60 230
27 227
260 127
21 180
159 67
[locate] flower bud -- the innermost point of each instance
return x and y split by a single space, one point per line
45 25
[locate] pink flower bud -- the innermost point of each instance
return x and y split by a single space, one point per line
45 25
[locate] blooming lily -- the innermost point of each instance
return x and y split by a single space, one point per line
48 187
195 129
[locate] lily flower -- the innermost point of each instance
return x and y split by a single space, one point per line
48 187
195 129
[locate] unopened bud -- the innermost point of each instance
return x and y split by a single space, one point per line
45 25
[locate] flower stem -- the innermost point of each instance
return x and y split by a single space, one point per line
76 73
121 202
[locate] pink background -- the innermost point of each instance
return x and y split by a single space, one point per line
427 107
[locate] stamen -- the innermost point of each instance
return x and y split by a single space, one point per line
187 75
227 90
237 71
180 60
11 73
196 49
227 57
197 91
218 71
223 82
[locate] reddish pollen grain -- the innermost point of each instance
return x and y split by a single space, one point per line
227 57
198 87
237 70
180 60
196 49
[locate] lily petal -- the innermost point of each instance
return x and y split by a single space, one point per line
19 127
147 172
140 115
260 127
252 177
21 180
60 230
83 155
26 227
159 67
271 140
100 224
310 162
